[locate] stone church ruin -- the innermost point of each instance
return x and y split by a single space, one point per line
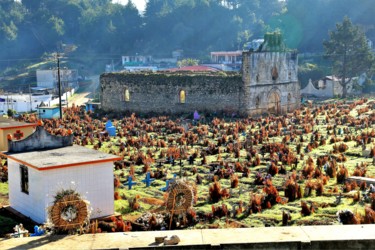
267 83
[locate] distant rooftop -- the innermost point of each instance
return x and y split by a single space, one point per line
198 68
6 123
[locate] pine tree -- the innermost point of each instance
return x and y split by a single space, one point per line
349 51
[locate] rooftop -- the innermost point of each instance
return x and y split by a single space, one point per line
6 123
62 157
199 68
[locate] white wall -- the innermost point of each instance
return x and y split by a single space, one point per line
310 89
21 102
94 182
32 204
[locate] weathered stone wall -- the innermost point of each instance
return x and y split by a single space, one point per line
268 84
40 140
267 73
160 92
263 92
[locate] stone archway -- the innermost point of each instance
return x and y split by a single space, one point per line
274 104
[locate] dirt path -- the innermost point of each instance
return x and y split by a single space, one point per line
79 98
84 94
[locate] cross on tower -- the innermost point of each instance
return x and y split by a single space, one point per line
18 134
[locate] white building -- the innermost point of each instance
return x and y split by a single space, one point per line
227 57
136 60
37 173
22 103
49 79
329 87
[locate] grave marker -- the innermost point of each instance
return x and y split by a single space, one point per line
130 183
148 179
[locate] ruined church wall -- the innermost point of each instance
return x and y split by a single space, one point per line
259 84
289 98
160 92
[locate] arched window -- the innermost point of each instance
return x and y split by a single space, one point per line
257 77
275 73
182 96
126 95
257 102
289 97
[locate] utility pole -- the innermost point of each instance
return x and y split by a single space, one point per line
31 104
59 83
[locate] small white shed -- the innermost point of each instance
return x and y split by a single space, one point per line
36 176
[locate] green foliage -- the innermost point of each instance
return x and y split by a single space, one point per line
102 31
187 62
11 112
4 188
309 71
61 194
349 51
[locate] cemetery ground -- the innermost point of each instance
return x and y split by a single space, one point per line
251 172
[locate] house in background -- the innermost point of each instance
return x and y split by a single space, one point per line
226 60
18 131
22 103
49 79
42 164
46 112
329 87
137 60
227 57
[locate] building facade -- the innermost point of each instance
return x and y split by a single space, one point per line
267 83
49 79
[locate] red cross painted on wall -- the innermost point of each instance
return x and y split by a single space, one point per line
18 135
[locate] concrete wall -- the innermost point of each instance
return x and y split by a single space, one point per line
43 186
159 92
48 112
32 204
5 131
40 140
322 92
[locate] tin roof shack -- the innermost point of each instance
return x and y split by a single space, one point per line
18 130
44 164
46 112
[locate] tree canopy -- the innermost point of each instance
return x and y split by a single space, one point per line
103 31
349 51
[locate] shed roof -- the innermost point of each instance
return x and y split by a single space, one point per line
71 156
6 123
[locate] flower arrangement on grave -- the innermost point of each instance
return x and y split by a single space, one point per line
69 211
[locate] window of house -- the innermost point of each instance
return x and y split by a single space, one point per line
24 179
257 77
126 95
182 96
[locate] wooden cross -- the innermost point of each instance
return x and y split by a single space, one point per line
18 135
